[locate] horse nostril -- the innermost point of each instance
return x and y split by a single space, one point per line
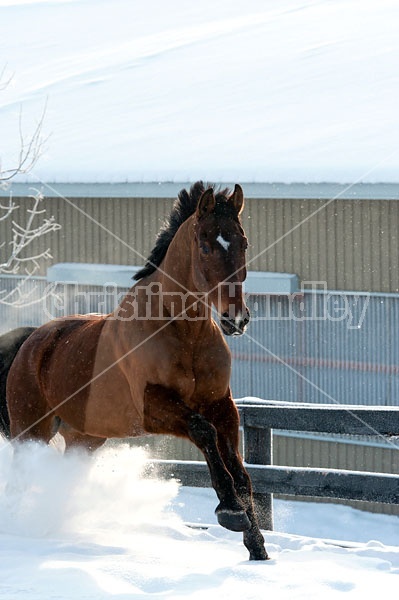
226 316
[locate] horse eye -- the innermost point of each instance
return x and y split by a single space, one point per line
204 248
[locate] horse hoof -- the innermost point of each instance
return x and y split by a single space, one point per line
233 520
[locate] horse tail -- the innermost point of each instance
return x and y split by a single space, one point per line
10 343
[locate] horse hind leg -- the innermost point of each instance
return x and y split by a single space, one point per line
31 419
33 427
10 344
76 440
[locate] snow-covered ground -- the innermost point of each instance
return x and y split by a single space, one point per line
93 528
225 90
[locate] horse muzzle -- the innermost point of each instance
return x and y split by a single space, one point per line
234 325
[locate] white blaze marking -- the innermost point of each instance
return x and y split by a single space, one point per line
224 243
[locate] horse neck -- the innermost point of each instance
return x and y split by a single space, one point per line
175 274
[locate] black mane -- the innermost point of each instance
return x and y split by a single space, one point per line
183 207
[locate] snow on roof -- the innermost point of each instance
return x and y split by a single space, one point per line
252 90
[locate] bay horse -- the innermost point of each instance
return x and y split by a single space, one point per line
159 362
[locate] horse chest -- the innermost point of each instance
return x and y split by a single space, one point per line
212 377
210 373
196 373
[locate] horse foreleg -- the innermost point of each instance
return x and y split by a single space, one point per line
166 413
224 416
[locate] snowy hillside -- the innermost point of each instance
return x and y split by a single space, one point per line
224 90
73 528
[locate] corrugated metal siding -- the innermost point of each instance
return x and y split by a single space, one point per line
350 361
349 244
334 454
97 230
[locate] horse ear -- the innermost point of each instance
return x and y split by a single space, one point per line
207 203
237 198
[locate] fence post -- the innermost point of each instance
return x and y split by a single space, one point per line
258 451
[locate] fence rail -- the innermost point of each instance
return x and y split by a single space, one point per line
258 421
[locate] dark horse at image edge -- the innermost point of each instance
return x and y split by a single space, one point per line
158 363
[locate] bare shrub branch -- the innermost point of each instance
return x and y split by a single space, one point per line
22 238
18 257
29 150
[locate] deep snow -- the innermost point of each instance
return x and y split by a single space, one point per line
93 528
224 90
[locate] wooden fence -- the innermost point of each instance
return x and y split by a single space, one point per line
259 418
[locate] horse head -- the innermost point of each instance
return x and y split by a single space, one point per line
218 250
